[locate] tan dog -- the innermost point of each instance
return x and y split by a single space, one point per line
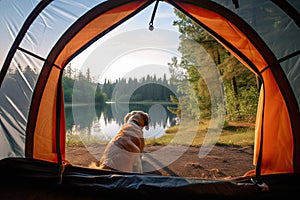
124 151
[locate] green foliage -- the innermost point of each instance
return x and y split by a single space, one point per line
100 97
82 91
68 88
196 79
145 89
246 102
172 109
79 88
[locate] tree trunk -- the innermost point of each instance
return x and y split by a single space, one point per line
234 86
235 91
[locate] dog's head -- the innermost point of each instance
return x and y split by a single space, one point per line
139 117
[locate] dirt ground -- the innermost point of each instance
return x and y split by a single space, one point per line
222 162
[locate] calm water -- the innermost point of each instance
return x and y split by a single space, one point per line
103 122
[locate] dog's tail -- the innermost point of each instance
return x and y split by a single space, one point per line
93 165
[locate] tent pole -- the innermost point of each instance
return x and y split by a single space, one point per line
151 27
58 128
17 41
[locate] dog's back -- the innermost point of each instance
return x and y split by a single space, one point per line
124 150
128 135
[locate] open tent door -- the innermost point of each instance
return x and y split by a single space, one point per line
248 47
42 123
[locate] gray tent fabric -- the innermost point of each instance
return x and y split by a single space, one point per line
33 32
15 15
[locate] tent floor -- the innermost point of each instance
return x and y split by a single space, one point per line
23 178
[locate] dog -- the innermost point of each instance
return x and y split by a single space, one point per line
124 151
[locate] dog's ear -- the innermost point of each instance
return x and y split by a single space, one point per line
128 115
146 120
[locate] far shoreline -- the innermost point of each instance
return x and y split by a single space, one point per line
122 102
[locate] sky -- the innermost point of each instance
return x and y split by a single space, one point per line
128 49
132 50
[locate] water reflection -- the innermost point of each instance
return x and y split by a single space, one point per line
102 122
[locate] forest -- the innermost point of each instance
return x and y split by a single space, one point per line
149 88
239 86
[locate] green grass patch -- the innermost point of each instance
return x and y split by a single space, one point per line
73 140
240 138
231 135
81 140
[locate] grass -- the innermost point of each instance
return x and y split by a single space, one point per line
233 134
81 140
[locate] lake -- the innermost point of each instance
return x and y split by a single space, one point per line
102 122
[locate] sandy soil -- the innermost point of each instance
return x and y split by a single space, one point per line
222 162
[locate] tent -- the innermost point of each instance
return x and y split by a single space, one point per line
263 35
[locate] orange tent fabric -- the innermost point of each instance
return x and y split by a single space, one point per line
277 144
